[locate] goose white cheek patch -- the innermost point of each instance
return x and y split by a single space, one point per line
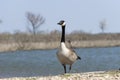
64 24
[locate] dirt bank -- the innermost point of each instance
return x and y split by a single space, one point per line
101 75
53 45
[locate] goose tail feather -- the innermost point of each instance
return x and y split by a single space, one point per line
78 58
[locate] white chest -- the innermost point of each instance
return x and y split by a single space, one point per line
64 49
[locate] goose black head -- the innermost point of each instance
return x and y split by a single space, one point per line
62 23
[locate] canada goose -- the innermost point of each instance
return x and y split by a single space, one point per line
65 55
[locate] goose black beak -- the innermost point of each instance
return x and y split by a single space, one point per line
59 23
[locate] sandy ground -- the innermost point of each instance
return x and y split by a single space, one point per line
100 75
53 45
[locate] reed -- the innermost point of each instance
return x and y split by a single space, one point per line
52 45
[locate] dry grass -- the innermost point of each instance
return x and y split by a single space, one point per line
25 41
53 45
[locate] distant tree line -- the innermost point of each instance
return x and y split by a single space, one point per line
23 37
34 23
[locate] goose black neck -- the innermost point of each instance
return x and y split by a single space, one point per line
63 34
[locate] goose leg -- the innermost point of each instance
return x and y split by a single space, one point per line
70 68
64 67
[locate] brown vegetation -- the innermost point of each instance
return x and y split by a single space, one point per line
55 36
28 41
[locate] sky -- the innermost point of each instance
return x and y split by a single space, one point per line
80 15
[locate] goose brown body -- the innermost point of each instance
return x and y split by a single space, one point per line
65 55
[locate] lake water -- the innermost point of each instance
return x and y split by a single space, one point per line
45 62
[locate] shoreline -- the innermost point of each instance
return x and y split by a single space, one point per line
5 47
97 75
